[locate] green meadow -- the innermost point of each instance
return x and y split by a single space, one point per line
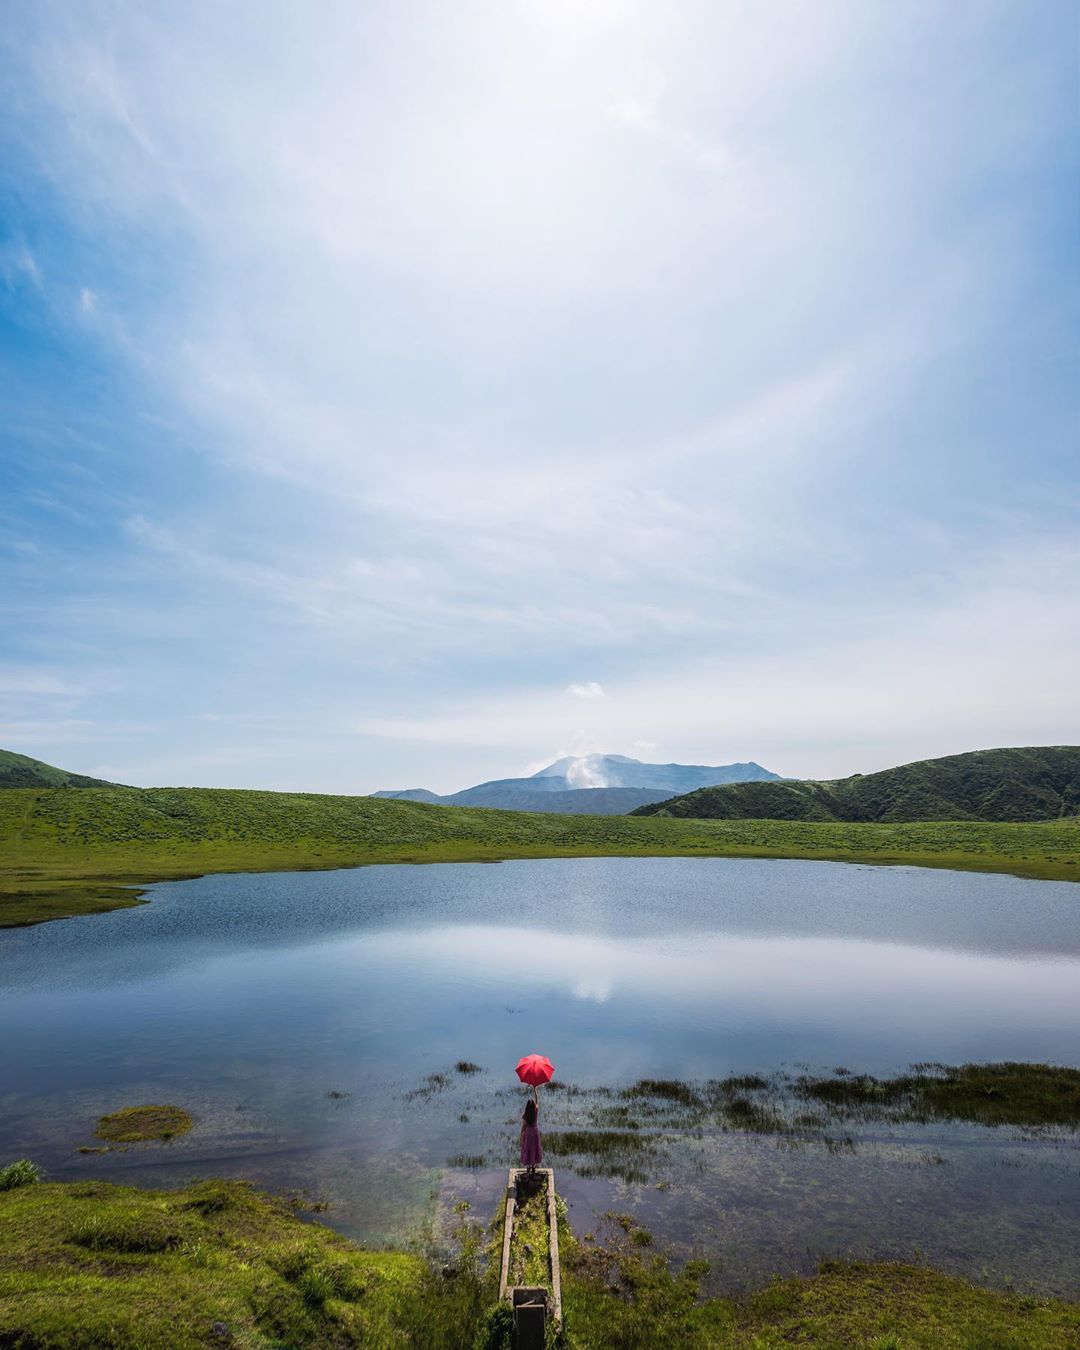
92 1264
70 852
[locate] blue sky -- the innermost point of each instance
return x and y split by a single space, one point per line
400 395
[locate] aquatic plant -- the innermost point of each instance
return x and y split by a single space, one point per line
132 1124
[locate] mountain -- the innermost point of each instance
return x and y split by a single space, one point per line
20 771
586 771
1031 783
601 785
410 795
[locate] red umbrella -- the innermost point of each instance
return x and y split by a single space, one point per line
535 1069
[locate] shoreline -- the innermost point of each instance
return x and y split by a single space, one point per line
31 894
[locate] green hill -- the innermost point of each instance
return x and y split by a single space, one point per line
1031 784
20 771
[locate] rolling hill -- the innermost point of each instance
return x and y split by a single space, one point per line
600 785
1029 784
20 771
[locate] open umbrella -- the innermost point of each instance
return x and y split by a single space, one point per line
535 1069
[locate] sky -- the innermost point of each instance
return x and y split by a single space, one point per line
407 395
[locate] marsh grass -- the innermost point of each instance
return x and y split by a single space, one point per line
133 1124
1008 1093
20 1173
665 1089
604 1153
629 1133
433 1084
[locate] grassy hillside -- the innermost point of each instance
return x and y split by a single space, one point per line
20 771
216 1264
67 852
1036 783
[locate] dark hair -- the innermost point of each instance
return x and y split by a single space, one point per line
529 1114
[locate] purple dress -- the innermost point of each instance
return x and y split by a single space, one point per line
532 1153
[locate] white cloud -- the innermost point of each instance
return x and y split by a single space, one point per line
589 690
910 683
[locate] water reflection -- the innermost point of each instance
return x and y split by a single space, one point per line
247 998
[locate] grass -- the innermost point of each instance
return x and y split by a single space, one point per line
619 1153
215 1264
132 1124
20 1173
987 1094
80 852
1028 783
624 1294
529 1238
93 1264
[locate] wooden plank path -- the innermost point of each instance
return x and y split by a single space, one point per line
532 1304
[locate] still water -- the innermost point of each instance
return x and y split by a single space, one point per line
250 999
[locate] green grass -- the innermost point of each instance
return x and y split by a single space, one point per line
20 1173
132 1124
529 1239
96 1265
623 1294
987 1094
77 852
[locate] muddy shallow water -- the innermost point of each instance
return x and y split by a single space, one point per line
249 999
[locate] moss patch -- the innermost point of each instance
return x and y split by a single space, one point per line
529 1239
103 1265
135 1123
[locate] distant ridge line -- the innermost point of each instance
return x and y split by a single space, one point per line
1028 783
590 785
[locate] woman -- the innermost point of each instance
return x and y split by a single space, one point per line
532 1152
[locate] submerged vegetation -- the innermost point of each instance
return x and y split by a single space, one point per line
631 1133
78 852
218 1264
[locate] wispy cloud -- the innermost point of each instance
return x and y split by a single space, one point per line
401 375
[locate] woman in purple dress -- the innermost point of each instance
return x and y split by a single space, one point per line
532 1152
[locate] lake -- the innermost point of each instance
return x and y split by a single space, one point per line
311 1023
